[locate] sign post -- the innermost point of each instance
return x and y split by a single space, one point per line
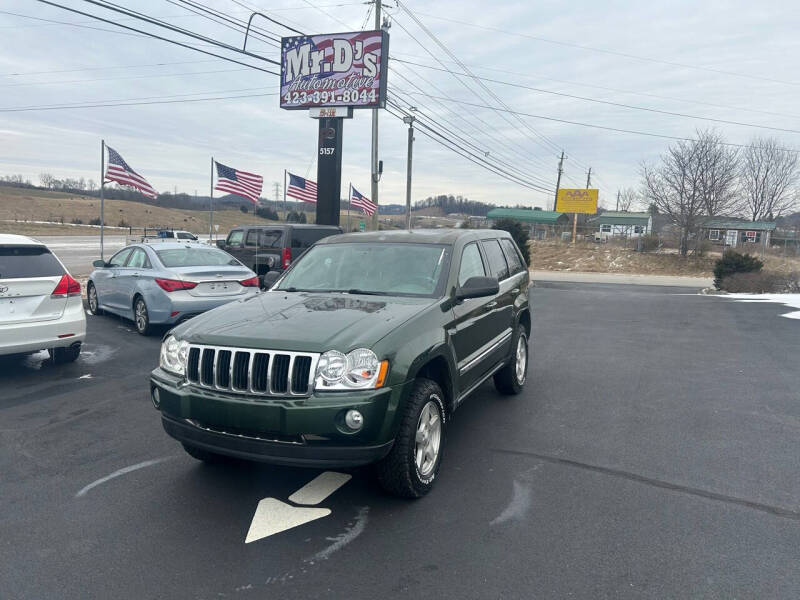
330 75
583 201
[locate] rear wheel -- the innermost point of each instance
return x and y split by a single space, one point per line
411 466
210 458
141 317
510 379
65 355
94 303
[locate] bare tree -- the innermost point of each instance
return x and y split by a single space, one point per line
719 174
674 187
627 198
46 179
768 176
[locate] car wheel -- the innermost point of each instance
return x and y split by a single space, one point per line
510 379
210 458
64 355
410 468
94 303
140 316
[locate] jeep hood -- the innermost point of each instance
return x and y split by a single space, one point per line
302 322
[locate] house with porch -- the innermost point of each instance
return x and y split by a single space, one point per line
733 233
541 223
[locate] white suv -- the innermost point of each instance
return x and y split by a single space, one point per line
40 303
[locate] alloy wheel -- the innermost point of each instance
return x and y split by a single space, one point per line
141 315
521 362
428 438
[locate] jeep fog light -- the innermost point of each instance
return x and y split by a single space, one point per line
354 419
156 398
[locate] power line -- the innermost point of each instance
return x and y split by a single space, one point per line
183 62
611 52
607 102
148 76
594 126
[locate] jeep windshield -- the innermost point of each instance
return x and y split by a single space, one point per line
370 268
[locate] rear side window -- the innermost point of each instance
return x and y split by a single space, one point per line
271 238
18 262
186 236
497 262
235 237
512 256
305 238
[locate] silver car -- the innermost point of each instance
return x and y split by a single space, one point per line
167 282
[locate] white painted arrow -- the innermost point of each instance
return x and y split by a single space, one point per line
273 516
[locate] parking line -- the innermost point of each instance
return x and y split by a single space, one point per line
319 488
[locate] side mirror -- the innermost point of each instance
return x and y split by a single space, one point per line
478 287
221 244
99 264
269 279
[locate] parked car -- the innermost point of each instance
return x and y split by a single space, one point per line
167 282
266 248
176 235
359 354
40 302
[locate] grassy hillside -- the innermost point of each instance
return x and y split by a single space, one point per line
18 204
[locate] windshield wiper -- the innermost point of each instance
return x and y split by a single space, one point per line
365 292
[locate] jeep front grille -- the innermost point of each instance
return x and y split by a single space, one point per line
248 371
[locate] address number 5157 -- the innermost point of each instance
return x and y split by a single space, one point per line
324 151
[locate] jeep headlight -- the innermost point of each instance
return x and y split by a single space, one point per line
173 355
357 370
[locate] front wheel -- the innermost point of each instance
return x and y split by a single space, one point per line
141 316
510 379
411 466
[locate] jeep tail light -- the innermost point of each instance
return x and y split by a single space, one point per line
173 285
67 286
252 282
286 257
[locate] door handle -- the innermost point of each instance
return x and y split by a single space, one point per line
491 304
136 274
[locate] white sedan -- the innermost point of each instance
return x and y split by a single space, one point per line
40 303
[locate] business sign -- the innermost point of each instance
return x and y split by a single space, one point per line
336 69
577 201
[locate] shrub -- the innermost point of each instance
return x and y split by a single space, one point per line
519 233
76 221
702 248
244 209
123 223
648 243
94 221
734 262
266 212
758 282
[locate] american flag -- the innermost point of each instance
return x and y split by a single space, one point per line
238 182
358 200
302 189
120 171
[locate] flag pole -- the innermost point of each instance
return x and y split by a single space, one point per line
285 214
211 204
102 200
349 199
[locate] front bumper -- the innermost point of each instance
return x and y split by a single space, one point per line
288 431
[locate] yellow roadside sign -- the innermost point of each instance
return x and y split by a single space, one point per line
577 201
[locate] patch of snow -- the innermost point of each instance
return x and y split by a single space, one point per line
790 300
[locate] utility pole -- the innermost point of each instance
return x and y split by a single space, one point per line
277 187
558 181
409 120
374 166
589 178
617 201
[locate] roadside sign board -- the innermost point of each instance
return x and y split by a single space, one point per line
334 69
577 201
362 226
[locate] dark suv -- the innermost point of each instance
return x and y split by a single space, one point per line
266 248
359 354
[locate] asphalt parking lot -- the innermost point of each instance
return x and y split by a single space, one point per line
653 454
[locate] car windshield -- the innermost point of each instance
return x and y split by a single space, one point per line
372 268
195 257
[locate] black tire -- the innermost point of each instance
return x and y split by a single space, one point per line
62 356
142 321
93 300
398 473
210 458
507 380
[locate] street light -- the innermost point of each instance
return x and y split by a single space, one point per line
409 120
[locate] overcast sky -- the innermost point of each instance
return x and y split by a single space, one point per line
728 60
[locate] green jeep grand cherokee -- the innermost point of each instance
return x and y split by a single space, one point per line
359 354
